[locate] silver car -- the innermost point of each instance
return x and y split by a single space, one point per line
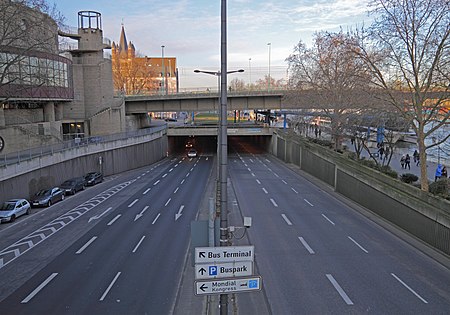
47 197
14 208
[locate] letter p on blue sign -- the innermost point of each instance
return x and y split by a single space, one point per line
213 270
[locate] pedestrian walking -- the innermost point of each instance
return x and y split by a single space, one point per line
402 161
444 172
381 152
407 161
438 173
416 156
418 160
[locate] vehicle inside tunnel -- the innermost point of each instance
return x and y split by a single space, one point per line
207 145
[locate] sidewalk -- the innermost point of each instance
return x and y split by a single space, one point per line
395 161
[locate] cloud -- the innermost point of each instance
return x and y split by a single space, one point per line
190 29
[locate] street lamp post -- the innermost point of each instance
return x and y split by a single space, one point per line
250 73
270 48
163 70
222 147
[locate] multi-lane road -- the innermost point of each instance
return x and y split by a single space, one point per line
122 247
117 248
317 255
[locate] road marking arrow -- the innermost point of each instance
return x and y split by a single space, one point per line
178 214
99 216
140 214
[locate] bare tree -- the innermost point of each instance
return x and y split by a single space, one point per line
380 123
407 51
262 84
134 75
237 84
336 76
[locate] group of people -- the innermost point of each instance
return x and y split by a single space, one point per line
405 162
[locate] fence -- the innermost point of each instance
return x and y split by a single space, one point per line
417 212
20 156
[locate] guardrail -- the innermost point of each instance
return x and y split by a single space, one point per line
204 93
20 156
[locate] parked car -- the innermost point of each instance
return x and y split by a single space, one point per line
47 197
14 208
93 178
71 186
192 153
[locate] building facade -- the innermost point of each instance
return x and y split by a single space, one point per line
134 74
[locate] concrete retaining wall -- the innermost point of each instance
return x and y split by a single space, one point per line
28 177
419 213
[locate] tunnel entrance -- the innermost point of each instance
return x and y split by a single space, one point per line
207 145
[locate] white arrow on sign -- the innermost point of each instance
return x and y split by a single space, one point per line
99 216
178 214
140 214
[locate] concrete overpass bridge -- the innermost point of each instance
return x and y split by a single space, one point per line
262 100
183 102
211 130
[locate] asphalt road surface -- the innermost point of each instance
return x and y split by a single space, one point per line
317 255
121 247
116 248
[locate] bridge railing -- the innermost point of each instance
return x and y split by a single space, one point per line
20 156
206 93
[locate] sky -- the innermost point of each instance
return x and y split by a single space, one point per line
190 30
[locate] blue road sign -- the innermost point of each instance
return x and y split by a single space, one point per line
253 284
213 270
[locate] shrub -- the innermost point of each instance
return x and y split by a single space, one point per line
351 155
440 187
368 163
386 169
322 142
409 178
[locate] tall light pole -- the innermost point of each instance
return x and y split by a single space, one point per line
219 133
270 48
163 70
250 72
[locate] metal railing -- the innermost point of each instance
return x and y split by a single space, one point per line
21 156
204 93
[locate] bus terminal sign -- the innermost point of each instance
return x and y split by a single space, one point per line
205 255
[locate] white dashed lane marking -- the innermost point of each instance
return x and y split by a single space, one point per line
273 202
39 288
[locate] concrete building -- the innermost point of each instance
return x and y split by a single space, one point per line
50 92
